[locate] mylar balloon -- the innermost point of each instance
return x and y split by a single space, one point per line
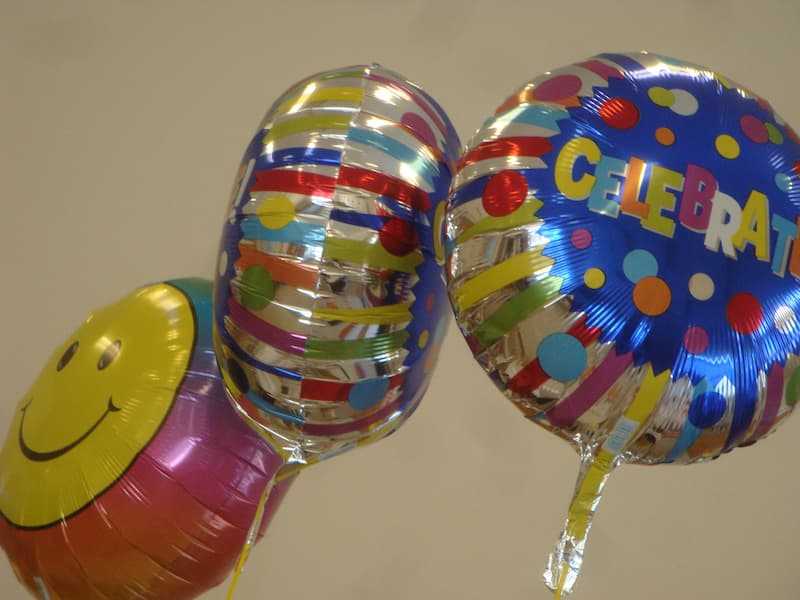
623 263
126 473
329 304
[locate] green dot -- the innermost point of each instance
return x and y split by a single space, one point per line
256 287
775 136
792 388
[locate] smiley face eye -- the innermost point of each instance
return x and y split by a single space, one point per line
67 356
109 355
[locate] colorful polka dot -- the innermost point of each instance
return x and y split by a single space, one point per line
420 128
276 212
561 356
558 88
638 264
744 313
504 193
398 236
695 340
785 319
619 113
707 409
685 104
430 301
665 136
423 339
652 296
367 393
701 286
727 146
256 287
775 136
594 278
661 96
581 238
754 129
783 181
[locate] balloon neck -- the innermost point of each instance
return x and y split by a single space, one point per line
565 561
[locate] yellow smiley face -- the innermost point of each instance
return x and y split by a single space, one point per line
99 401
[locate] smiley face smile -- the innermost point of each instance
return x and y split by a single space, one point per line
35 456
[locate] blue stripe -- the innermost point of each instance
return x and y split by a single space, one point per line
542 116
359 219
425 166
298 156
271 409
295 232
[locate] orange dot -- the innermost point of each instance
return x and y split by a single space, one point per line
665 136
651 296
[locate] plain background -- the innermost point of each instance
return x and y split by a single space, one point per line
121 127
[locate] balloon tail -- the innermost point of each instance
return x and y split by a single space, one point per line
250 540
564 563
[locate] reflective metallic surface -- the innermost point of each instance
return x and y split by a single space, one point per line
329 305
622 260
126 474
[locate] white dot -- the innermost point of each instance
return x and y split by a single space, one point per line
685 104
701 286
785 319
223 263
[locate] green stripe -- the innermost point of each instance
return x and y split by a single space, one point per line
291 126
524 215
516 309
372 347
370 255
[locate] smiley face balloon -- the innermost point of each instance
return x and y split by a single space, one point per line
329 304
623 261
125 473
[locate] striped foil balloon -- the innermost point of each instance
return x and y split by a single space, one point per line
329 304
623 261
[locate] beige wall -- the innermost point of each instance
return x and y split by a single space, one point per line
121 124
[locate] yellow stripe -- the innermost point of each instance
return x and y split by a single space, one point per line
344 94
643 405
524 215
302 124
489 281
370 255
376 315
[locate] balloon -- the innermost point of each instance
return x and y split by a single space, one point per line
622 260
330 307
125 473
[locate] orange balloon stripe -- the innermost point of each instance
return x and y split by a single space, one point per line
285 271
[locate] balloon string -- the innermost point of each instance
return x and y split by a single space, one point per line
564 563
252 535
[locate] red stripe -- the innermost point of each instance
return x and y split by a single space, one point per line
294 182
532 376
512 146
384 185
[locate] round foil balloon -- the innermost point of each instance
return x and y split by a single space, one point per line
329 304
623 255
126 474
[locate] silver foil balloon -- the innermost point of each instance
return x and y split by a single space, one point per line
623 261
330 308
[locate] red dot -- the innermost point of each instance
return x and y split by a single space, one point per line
430 301
398 236
504 193
796 168
744 313
619 113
